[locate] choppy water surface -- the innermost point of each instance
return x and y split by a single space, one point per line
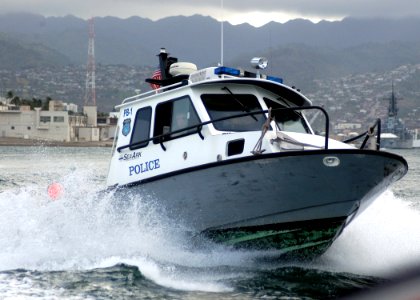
83 246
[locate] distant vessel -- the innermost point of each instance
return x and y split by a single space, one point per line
395 135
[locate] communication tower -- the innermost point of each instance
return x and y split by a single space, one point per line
90 95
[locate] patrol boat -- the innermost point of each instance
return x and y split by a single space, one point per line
230 155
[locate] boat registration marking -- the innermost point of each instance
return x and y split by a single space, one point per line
128 112
129 156
144 167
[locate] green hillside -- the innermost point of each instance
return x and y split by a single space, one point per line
16 54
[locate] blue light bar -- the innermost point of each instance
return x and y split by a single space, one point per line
275 79
227 71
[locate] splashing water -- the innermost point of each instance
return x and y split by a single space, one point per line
88 228
383 241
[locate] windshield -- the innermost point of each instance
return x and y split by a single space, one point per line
224 105
287 120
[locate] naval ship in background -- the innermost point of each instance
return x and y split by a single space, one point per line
394 133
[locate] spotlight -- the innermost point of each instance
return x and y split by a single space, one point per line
259 62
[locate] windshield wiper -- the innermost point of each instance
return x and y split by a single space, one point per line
244 107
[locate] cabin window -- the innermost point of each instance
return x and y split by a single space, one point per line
175 115
58 119
45 119
223 105
287 120
141 128
235 147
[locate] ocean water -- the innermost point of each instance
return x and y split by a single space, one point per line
83 246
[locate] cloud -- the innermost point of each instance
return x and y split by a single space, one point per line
284 9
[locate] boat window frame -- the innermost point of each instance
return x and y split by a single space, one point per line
236 97
278 109
136 144
167 123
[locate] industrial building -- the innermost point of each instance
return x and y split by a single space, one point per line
59 123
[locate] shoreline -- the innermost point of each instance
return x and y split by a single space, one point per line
9 141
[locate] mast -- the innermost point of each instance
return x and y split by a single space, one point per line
221 36
90 95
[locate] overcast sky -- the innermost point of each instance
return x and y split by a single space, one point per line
255 12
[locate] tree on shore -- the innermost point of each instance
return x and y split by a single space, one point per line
32 103
13 99
9 95
46 104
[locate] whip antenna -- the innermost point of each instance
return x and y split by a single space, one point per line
221 35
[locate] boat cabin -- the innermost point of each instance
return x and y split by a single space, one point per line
199 117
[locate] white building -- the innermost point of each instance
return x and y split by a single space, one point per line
58 105
55 124
35 124
343 126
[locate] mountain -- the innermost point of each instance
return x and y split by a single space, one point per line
301 64
136 41
299 51
15 54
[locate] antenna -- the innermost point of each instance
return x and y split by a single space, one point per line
221 35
